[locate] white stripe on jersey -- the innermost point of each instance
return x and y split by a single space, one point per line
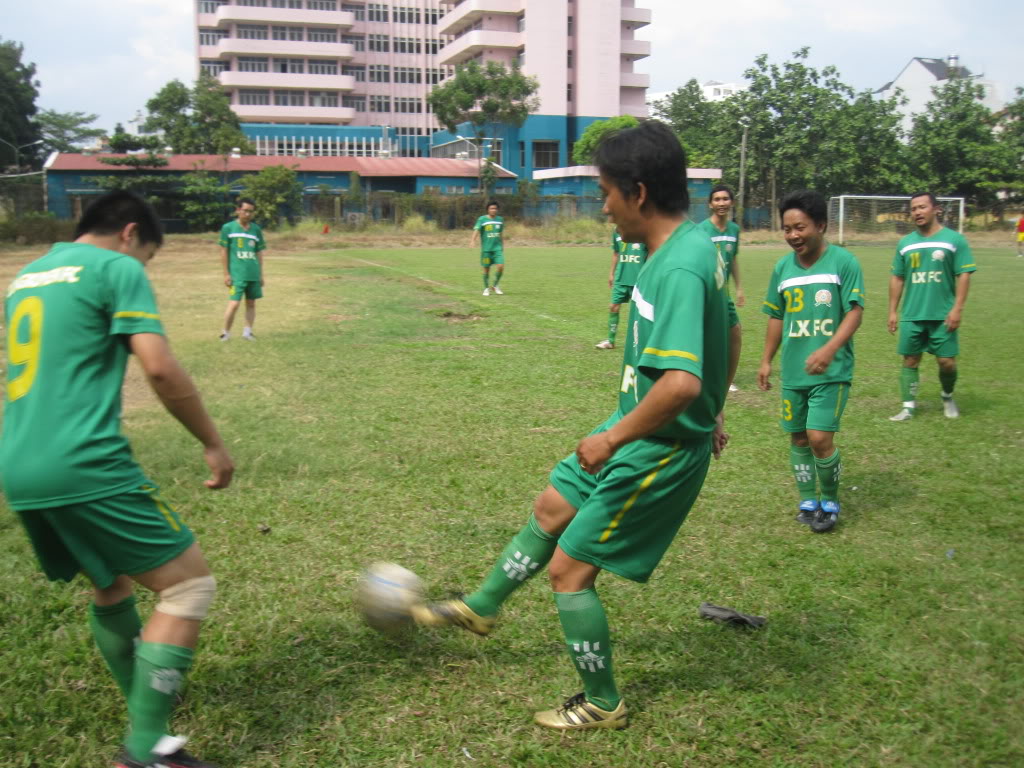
242 234
645 308
723 238
809 280
948 246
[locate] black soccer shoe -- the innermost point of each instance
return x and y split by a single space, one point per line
826 518
179 759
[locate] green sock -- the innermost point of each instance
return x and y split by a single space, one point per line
802 461
586 635
528 552
908 385
497 277
159 672
613 326
948 381
485 279
116 628
828 476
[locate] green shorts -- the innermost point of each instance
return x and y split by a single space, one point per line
250 289
130 533
621 293
734 318
917 336
628 514
820 407
496 256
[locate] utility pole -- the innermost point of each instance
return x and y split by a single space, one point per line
741 196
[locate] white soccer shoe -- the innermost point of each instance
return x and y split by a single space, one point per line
606 344
949 408
487 291
498 291
905 415
733 388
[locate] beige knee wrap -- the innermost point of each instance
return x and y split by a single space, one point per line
188 599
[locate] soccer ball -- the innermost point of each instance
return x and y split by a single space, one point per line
386 594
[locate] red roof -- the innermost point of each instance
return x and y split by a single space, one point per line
364 166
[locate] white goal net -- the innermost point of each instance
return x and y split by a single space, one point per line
873 217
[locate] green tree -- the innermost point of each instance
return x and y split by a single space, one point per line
696 121
196 121
583 150
122 141
276 191
206 201
66 131
19 90
1011 139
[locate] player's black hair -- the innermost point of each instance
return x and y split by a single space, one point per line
809 201
650 154
721 188
929 195
110 213
243 200
492 202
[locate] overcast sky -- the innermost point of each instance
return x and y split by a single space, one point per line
109 56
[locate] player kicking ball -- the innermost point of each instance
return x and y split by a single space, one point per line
815 303
488 231
74 316
242 246
932 273
616 503
627 258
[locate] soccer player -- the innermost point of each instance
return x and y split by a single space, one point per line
242 245
74 316
617 502
725 234
627 258
815 304
488 230
932 272
1020 236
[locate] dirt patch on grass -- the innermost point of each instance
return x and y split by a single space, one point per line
458 317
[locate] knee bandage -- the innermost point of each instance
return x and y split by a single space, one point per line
188 599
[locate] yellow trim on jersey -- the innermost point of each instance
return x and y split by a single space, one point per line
644 485
147 315
768 303
671 353
855 290
965 266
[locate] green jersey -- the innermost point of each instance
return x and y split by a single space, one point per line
631 259
929 266
678 320
811 302
67 315
243 245
726 241
490 232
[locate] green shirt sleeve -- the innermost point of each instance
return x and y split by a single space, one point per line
131 302
964 258
223 241
479 223
261 244
852 288
676 340
899 264
773 299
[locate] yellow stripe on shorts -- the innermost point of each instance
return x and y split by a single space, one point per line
164 509
839 400
644 485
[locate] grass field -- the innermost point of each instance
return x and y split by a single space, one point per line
388 411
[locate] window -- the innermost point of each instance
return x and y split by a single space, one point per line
455 189
568 29
407 45
380 73
432 14
289 66
521 57
358 42
210 6
545 154
323 99
289 98
252 31
435 76
322 5
214 66
257 98
403 104
568 59
285 3
432 189
288 33
521 22
356 71
253 64
568 92
322 35
376 12
406 15
408 75
211 36
381 43
522 154
323 67
358 103
253 3
380 103
358 10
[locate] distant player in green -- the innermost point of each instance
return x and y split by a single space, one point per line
242 246
932 272
617 502
725 234
73 318
488 230
815 303
627 258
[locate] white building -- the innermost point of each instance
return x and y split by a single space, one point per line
713 90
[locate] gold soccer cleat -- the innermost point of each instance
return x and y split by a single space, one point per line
454 612
578 713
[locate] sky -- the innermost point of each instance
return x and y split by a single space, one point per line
109 57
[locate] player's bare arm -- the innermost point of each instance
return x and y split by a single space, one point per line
224 263
772 341
179 396
741 298
895 293
263 276
820 359
963 285
474 239
671 394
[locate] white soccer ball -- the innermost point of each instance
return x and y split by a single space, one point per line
386 594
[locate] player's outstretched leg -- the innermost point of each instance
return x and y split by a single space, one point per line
947 378
613 328
487 285
802 461
497 279
115 624
909 377
229 318
828 467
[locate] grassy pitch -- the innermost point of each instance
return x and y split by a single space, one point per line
389 411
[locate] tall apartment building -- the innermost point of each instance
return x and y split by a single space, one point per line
344 77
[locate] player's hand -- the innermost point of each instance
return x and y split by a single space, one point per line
227 280
611 280
764 377
818 361
221 466
894 322
262 282
741 298
593 452
953 319
719 438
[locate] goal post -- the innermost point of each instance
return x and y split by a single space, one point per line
877 217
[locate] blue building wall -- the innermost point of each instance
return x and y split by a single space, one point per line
313 133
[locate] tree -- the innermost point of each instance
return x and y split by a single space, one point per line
276 191
1011 139
66 131
18 93
196 121
696 121
583 150
122 141
205 201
